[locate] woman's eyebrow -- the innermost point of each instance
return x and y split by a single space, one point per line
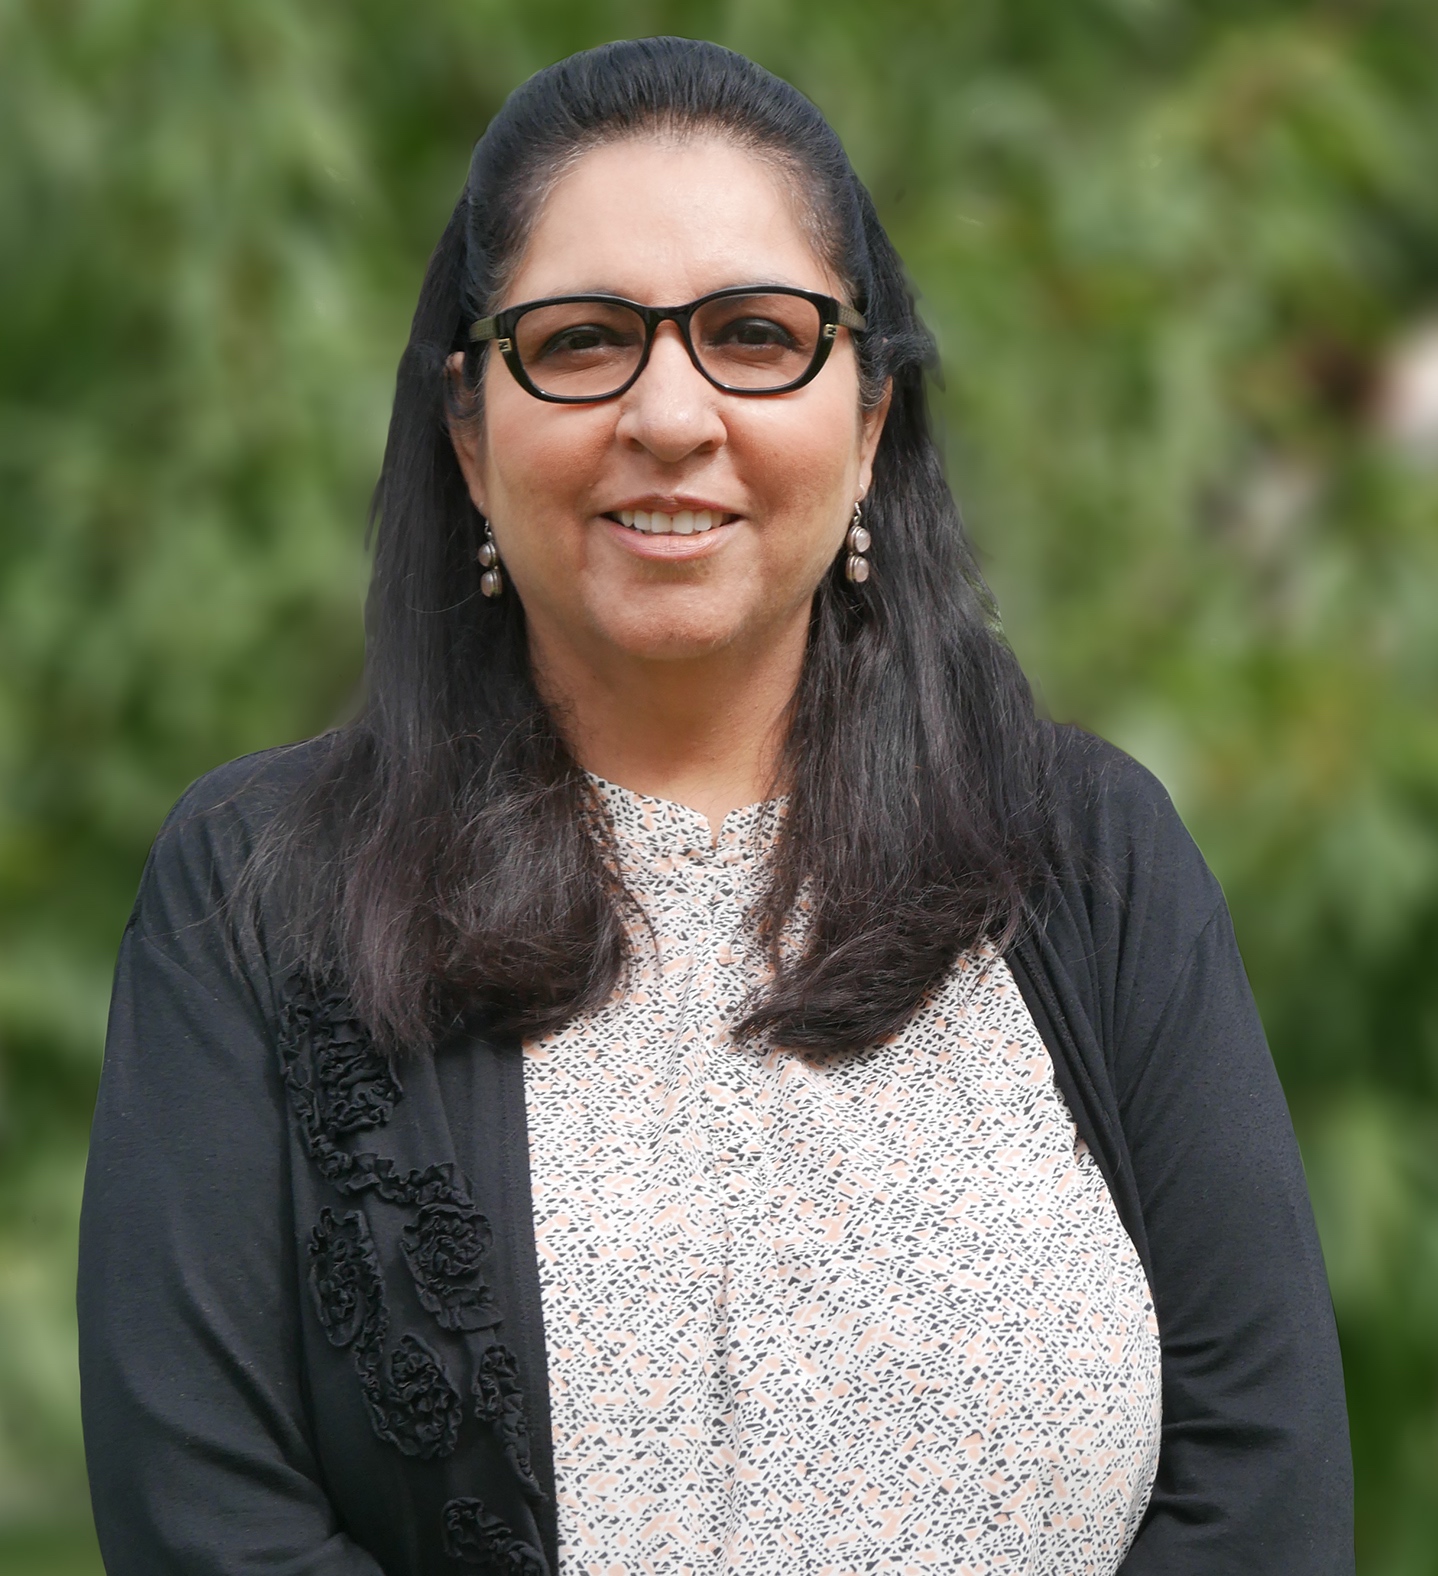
763 283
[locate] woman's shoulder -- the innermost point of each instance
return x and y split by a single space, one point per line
1120 841
1094 780
206 840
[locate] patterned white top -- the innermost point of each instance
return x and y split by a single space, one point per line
872 1313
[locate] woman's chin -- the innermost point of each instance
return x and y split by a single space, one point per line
671 645
674 624
686 637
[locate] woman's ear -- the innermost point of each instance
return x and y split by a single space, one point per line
872 430
465 434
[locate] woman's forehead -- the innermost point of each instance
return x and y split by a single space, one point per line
662 220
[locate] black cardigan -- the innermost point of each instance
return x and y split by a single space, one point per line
311 1337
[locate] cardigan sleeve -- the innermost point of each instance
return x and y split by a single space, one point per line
1254 1473
199 1454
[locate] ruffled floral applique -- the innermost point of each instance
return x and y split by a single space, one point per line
499 1401
339 1081
444 1247
418 1410
345 1280
412 1402
339 1084
475 1536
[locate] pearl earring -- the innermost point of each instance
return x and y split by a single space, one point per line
491 582
858 542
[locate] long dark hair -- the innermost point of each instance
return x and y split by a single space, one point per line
447 855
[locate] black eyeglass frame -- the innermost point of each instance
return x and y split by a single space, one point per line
833 315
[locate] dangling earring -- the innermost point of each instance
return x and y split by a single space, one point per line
858 542
491 582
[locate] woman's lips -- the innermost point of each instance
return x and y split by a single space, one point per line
685 534
685 522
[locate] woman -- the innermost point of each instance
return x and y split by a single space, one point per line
696 1076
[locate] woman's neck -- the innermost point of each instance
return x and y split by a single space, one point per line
706 732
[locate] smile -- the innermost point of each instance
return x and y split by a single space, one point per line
688 522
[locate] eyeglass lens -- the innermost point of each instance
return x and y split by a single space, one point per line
587 349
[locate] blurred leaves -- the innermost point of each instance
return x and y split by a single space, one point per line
1182 258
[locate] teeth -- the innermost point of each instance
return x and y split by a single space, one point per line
688 522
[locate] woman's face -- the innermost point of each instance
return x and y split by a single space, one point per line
661 223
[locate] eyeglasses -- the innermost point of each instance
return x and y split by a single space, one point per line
578 349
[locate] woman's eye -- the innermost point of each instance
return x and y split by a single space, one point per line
572 341
760 333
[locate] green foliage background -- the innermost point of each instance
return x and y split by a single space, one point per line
1171 248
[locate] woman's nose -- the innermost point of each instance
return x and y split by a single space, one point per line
672 409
